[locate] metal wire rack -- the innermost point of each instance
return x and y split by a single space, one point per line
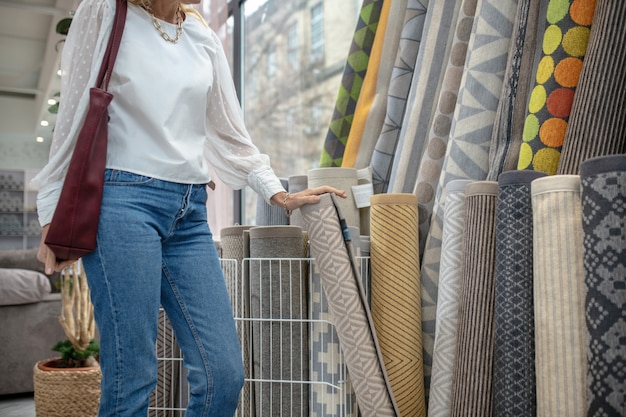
292 358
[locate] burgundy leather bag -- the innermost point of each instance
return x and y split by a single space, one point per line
72 232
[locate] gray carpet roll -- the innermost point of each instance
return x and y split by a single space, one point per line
514 331
597 122
560 347
603 196
269 215
472 376
279 313
297 183
234 247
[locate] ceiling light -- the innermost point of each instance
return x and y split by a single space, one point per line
39 139
52 101
44 123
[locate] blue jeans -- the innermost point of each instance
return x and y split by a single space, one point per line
155 248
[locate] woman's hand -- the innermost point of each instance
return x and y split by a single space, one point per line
47 257
294 201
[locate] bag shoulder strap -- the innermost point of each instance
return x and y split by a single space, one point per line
106 68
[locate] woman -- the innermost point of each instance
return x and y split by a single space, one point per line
174 112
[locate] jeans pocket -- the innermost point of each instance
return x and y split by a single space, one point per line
118 177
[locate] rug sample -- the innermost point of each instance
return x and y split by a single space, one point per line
297 183
432 58
514 331
348 305
343 179
448 300
395 288
351 83
268 214
603 196
279 313
560 347
506 137
467 152
370 108
597 123
472 376
399 88
558 70
234 248
429 170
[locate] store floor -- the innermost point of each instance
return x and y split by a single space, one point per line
21 405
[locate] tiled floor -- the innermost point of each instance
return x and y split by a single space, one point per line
17 406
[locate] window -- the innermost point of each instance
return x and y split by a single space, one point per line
292 46
287 104
271 62
317 32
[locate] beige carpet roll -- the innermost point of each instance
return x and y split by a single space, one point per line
560 345
396 296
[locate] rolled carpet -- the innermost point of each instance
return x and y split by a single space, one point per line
514 331
343 179
232 244
472 376
597 124
448 299
396 300
279 313
603 198
347 303
560 347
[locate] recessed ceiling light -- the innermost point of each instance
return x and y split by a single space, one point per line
39 139
44 123
52 101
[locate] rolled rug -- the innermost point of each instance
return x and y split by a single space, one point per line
597 123
351 83
603 198
514 331
327 363
506 137
560 346
297 183
557 68
234 248
347 304
269 215
399 88
467 152
472 375
448 299
279 314
396 300
343 179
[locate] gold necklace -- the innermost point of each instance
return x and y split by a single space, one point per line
179 28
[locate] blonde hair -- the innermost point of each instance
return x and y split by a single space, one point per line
187 9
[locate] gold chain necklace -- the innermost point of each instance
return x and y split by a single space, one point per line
179 28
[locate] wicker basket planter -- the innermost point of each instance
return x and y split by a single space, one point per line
66 392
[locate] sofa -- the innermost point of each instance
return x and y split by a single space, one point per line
30 305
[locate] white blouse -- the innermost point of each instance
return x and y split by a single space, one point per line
174 110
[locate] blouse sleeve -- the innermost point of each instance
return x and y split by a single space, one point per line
82 54
229 149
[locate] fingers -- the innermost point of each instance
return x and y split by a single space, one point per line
324 189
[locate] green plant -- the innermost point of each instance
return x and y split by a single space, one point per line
79 349
75 358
